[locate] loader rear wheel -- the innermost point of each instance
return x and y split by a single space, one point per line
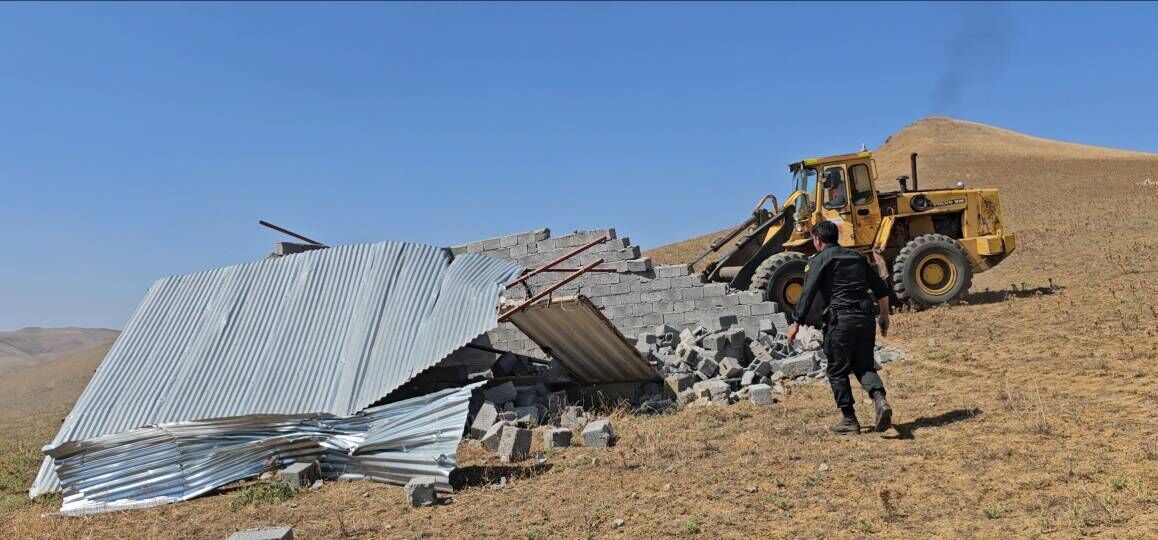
781 278
930 270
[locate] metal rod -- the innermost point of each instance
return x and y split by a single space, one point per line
289 232
562 269
717 243
548 266
548 290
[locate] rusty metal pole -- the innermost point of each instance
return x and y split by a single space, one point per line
548 266
506 315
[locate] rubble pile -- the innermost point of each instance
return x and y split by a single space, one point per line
509 414
718 362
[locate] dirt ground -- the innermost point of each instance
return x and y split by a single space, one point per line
1026 412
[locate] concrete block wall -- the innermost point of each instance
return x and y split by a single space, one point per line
637 298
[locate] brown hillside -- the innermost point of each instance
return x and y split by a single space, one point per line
1030 171
1022 413
30 346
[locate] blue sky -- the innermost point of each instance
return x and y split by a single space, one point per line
144 140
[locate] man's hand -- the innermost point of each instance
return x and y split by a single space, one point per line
883 322
792 334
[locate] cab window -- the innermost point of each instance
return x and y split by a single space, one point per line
862 186
834 188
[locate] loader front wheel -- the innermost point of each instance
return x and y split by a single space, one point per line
781 278
930 270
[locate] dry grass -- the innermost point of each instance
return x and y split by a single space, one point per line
1022 414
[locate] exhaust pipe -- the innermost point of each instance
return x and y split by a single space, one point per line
913 170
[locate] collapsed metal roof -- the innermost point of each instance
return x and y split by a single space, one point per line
583 340
323 332
180 460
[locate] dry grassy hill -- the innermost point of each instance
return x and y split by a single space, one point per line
1021 414
30 346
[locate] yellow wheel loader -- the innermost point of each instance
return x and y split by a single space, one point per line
926 243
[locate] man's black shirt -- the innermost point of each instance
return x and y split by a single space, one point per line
839 278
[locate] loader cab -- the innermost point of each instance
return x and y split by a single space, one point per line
845 194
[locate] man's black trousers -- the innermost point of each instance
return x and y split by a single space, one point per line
849 340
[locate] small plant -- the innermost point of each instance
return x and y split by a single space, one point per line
264 493
1118 483
782 503
863 526
992 512
692 525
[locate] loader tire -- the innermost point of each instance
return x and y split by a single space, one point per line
781 279
931 270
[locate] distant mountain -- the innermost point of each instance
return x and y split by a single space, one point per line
31 346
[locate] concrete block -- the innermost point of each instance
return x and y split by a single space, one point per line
730 368
270 533
762 368
707 368
675 318
514 444
750 297
529 416
748 378
677 270
721 322
764 308
766 327
715 290
500 394
599 434
780 321
716 341
692 293
650 296
420 491
675 384
490 439
737 337
557 438
797 366
760 394
486 417
300 474
686 397
633 265
573 417
716 391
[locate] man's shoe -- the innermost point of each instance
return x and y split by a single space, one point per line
884 413
847 426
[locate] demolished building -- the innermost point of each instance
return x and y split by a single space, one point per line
268 347
364 358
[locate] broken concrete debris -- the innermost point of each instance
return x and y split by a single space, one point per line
272 533
490 440
760 394
514 444
486 417
420 491
715 362
599 434
300 474
557 438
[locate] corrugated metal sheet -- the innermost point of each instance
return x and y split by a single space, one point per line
329 331
178 461
583 340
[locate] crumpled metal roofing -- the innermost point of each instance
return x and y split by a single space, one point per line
177 461
583 340
323 332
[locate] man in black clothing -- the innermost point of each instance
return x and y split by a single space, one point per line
836 297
